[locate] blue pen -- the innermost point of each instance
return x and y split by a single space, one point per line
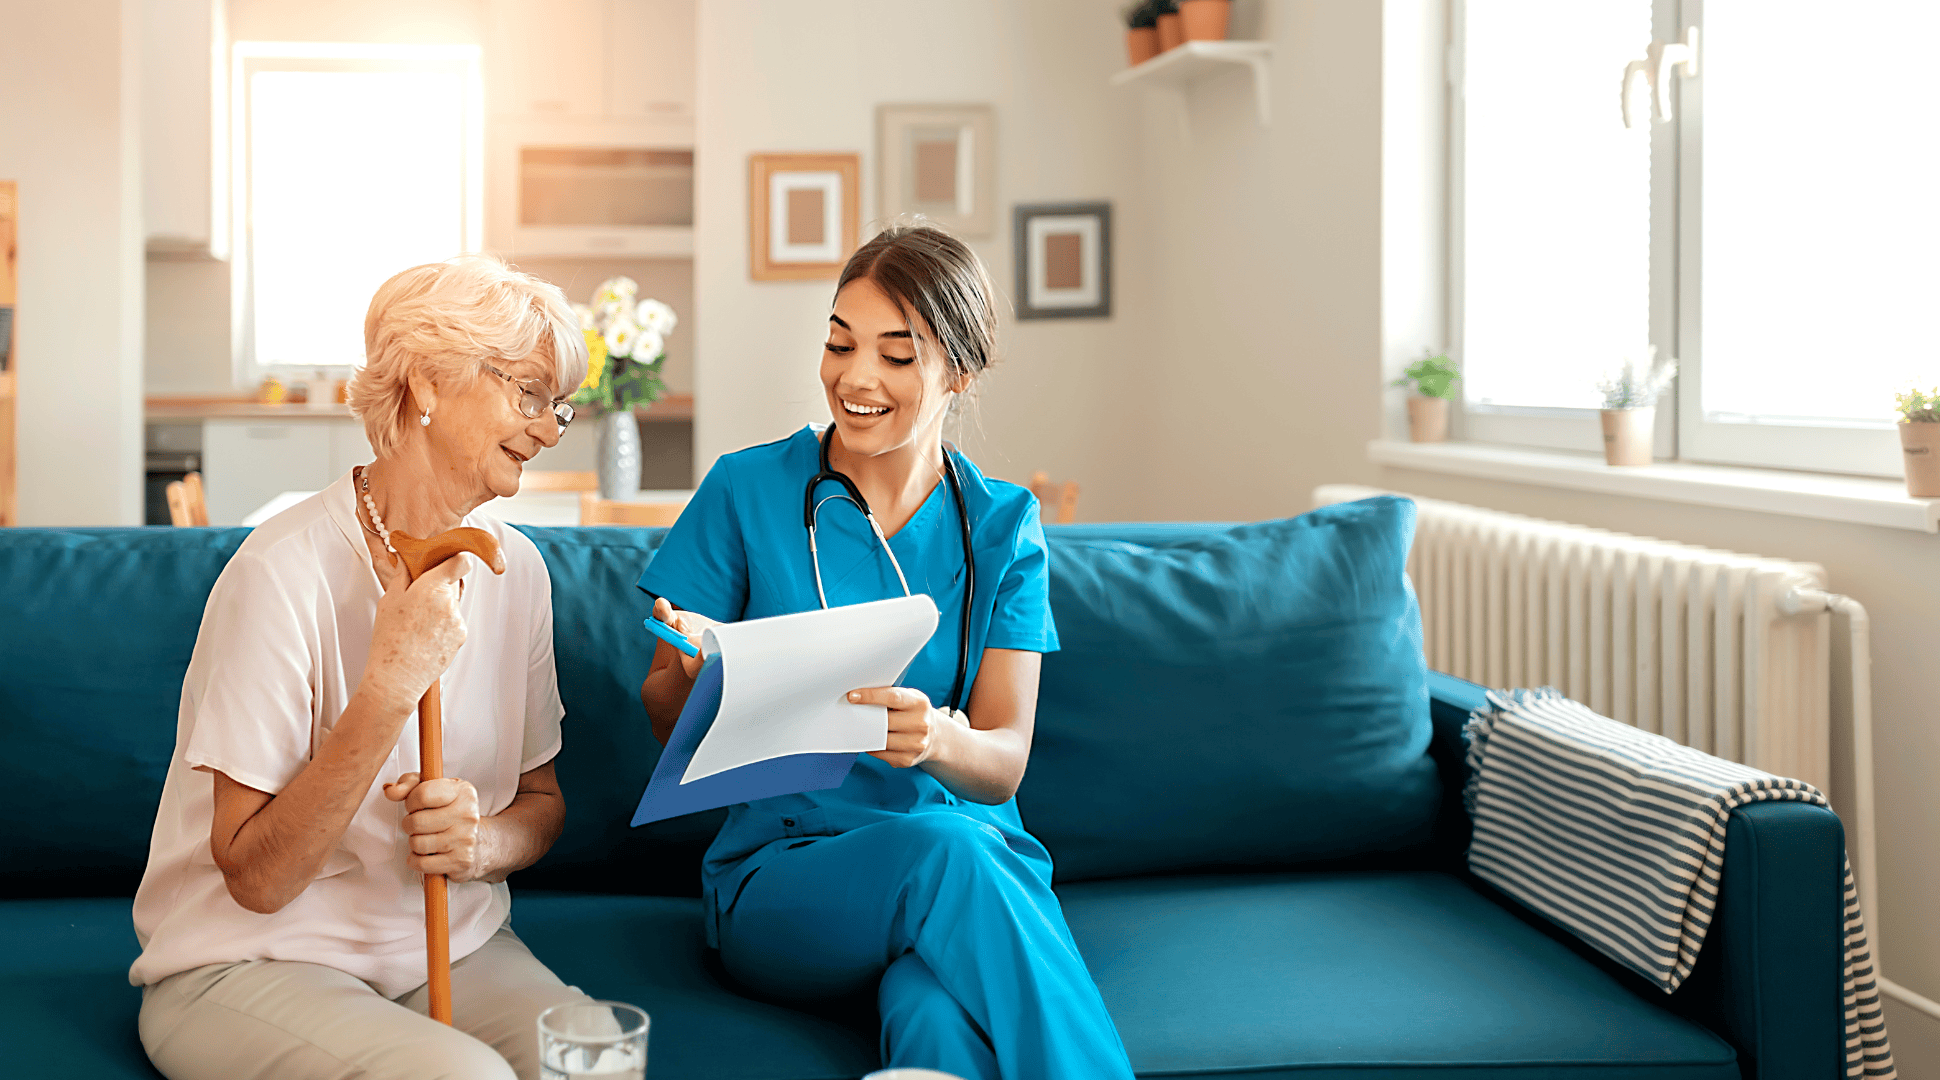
671 636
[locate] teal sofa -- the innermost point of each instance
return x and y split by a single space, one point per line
1250 785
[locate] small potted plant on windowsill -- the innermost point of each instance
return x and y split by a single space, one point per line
1172 28
1920 440
1630 409
1433 378
1141 31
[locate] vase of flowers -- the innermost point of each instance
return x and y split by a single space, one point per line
1920 440
1433 378
626 346
1630 408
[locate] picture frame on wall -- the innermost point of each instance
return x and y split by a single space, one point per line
804 214
939 161
1063 257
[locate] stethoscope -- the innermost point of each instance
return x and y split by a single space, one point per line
811 506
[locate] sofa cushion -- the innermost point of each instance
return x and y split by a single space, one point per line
66 1008
648 951
602 655
1363 976
1360 976
97 629
1249 695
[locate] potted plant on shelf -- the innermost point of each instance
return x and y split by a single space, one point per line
1172 29
1205 20
1141 31
1433 377
626 346
1630 409
1920 440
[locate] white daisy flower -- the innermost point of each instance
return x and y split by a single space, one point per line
622 289
587 320
621 337
656 316
647 346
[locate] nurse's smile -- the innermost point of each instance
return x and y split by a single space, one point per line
884 390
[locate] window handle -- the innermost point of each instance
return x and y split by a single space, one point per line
1652 74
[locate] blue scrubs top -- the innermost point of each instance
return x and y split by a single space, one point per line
740 551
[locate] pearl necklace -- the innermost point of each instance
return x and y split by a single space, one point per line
384 534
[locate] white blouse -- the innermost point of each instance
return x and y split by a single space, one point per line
282 647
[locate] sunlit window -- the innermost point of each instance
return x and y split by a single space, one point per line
358 162
1555 201
1820 214
1779 245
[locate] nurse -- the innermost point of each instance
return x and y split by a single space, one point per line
915 877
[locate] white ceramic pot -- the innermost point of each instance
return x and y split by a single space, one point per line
1627 435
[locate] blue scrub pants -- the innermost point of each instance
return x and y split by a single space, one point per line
976 972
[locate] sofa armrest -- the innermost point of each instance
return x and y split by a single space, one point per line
1776 948
1771 974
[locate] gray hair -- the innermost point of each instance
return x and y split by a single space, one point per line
442 320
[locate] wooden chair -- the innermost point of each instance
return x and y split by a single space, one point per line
559 481
1056 502
186 506
594 510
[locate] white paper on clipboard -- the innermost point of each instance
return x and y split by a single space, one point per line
786 681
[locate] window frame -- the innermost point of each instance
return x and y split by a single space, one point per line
250 57
1683 431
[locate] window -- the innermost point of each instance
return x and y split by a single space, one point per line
354 162
1774 233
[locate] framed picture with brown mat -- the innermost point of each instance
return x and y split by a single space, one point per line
1063 260
803 212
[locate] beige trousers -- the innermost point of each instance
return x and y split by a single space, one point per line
287 1020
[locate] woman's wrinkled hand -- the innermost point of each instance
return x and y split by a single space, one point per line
917 729
417 633
442 823
687 623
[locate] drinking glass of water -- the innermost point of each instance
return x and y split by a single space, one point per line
593 1039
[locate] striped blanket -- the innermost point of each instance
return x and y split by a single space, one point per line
1619 835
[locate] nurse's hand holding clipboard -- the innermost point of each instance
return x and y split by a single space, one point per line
981 762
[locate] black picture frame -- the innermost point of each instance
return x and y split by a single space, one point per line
1091 221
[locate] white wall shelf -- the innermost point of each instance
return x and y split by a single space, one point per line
1180 67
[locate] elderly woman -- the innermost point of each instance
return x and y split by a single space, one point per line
281 916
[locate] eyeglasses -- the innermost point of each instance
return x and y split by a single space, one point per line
535 398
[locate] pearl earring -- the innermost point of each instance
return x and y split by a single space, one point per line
424 420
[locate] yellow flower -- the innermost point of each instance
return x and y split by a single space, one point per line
595 358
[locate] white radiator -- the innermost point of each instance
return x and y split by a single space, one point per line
1713 649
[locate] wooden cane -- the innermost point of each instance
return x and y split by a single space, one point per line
419 556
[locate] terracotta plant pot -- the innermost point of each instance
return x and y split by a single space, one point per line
1141 44
1205 20
1427 419
1627 435
1172 31
1921 445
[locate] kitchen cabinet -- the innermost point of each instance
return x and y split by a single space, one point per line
650 60
185 128
618 61
566 76
247 462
